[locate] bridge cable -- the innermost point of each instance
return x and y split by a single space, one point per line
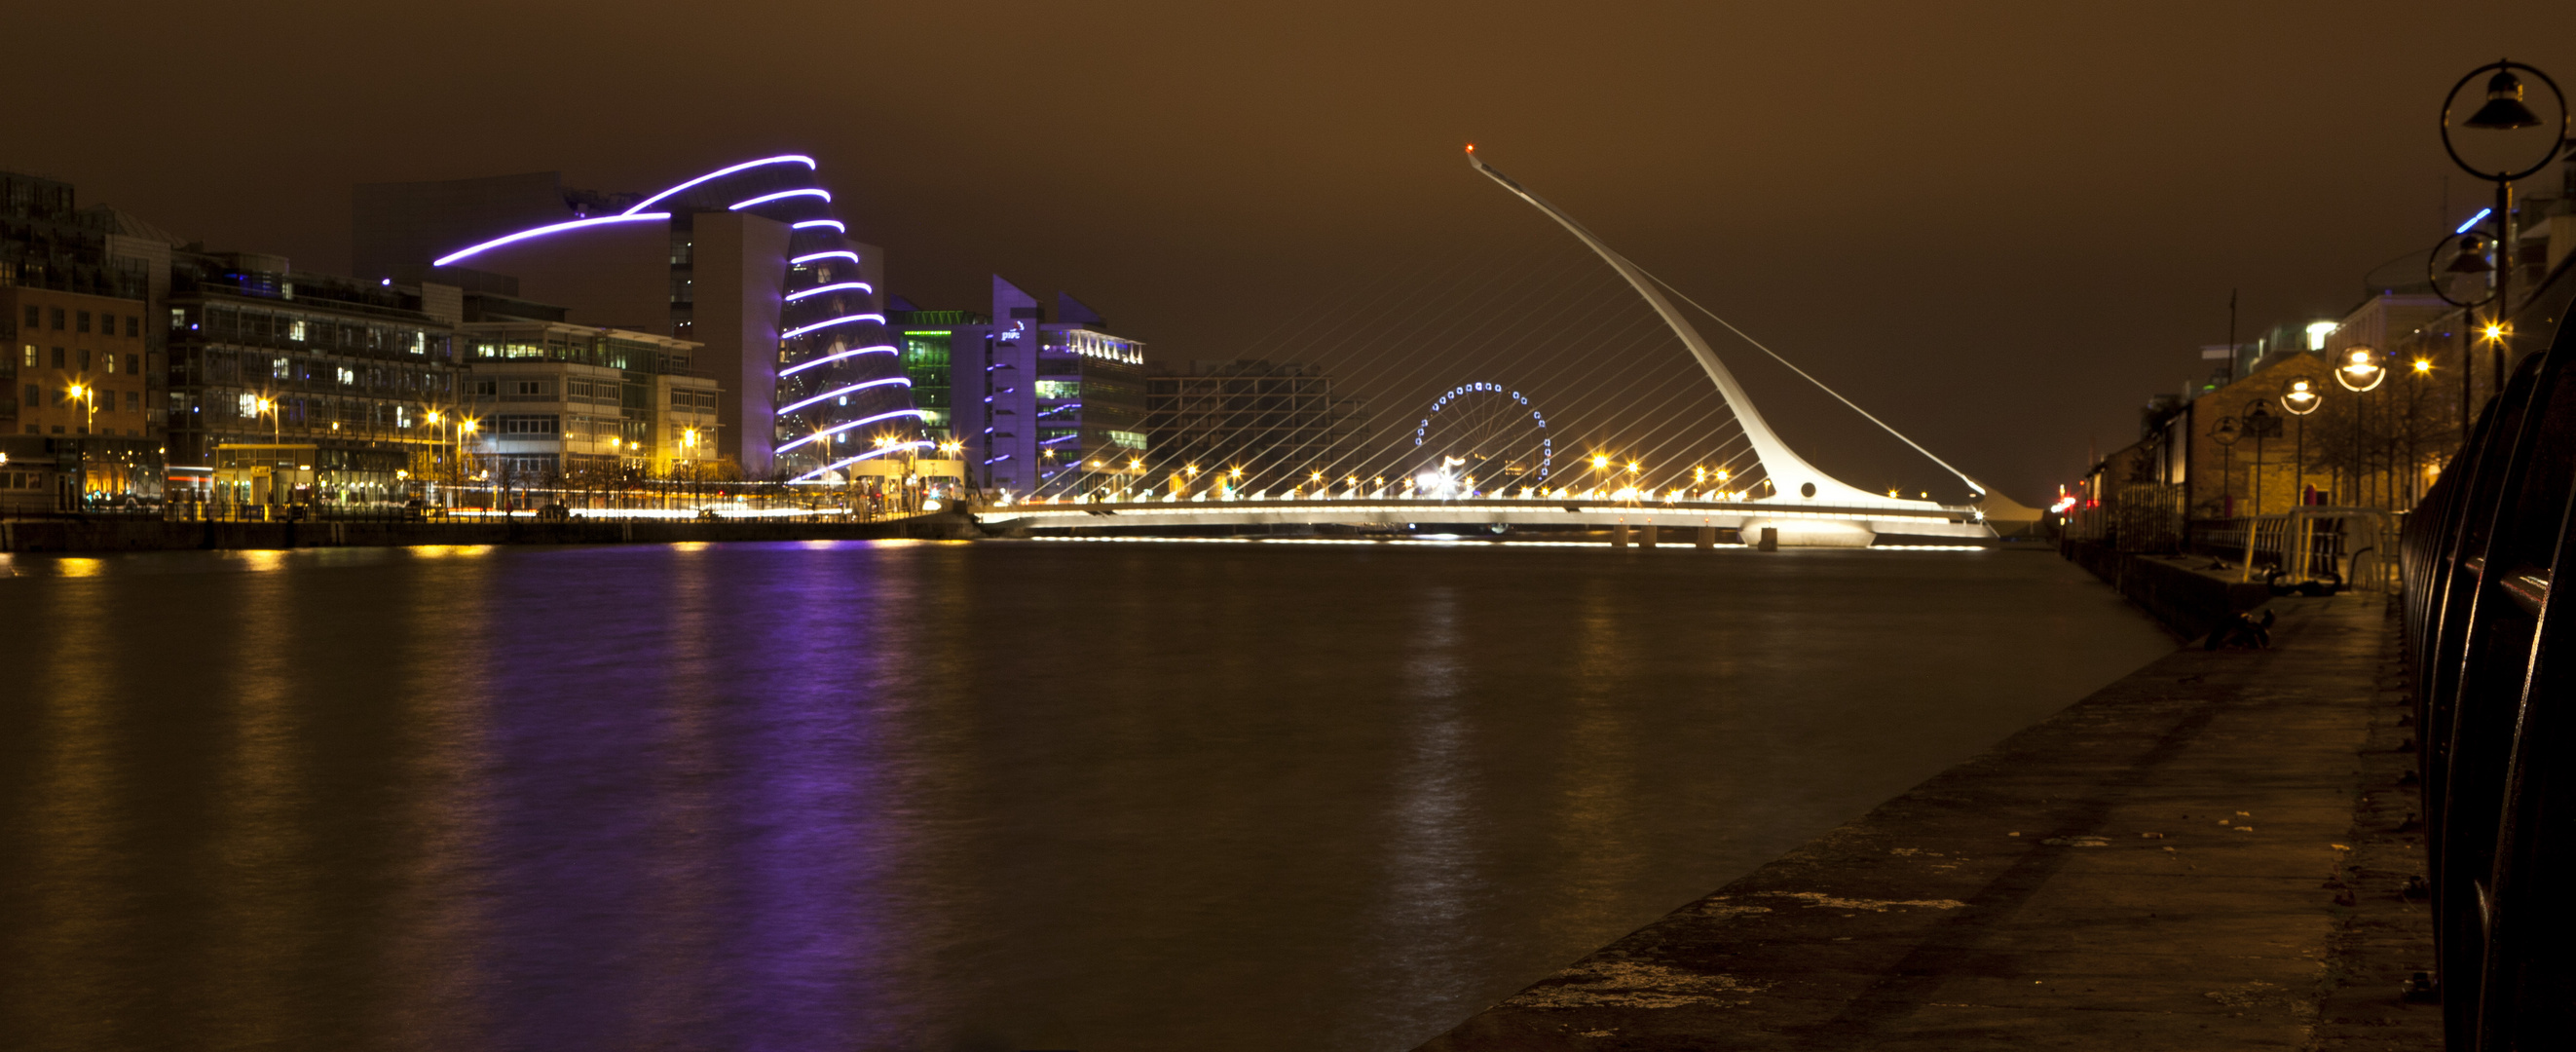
1981 488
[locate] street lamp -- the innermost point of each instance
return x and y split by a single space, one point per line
2301 398
2361 370
2504 111
88 395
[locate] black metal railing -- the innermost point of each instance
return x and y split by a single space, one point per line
2494 685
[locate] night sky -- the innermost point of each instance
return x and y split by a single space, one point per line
2000 229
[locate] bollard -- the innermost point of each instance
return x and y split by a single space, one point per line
1619 534
1707 536
1770 539
1646 534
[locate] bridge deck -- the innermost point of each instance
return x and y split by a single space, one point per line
1912 518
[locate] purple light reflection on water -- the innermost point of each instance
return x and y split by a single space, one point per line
917 796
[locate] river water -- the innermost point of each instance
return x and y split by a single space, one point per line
992 796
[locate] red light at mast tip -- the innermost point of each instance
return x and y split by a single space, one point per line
1471 147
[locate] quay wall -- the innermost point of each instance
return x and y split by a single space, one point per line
2188 601
2212 852
79 535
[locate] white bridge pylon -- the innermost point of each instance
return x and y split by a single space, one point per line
1794 481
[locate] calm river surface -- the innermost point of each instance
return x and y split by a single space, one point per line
1004 795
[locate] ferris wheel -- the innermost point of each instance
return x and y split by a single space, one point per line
1481 438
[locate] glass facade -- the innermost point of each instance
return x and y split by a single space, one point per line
260 358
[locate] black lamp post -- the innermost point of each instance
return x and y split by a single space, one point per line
2471 258
2260 424
2225 432
2503 111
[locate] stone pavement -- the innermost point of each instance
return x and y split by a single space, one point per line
2207 854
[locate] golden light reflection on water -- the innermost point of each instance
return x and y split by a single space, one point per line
1595 814
74 567
72 857
259 876
441 931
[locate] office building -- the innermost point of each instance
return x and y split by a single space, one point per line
329 378
80 389
1037 403
1277 422
554 401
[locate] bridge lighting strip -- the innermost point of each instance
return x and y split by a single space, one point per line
1228 507
873 453
625 217
881 348
853 256
782 195
720 173
920 414
833 223
843 319
904 380
821 289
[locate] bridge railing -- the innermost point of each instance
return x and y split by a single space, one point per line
2493 678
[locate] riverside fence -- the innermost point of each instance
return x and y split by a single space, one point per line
2493 663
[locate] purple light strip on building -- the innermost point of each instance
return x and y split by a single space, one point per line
627 217
721 173
869 455
920 414
833 223
842 320
904 380
782 195
882 348
821 289
800 260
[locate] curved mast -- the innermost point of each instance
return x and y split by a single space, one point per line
1789 473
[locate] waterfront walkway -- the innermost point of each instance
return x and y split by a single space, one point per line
2208 854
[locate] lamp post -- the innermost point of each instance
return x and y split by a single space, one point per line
2225 432
2470 258
88 395
2503 111
2362 372
2260 424
465 430
2301 398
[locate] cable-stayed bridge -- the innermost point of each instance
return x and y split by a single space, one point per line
1483 457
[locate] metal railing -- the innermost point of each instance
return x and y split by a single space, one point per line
2494 688
2319 545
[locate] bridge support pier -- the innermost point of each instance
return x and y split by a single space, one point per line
1619 534
1707 536
1770 539
1646 535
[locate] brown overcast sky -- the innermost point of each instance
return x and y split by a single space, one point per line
2001 226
